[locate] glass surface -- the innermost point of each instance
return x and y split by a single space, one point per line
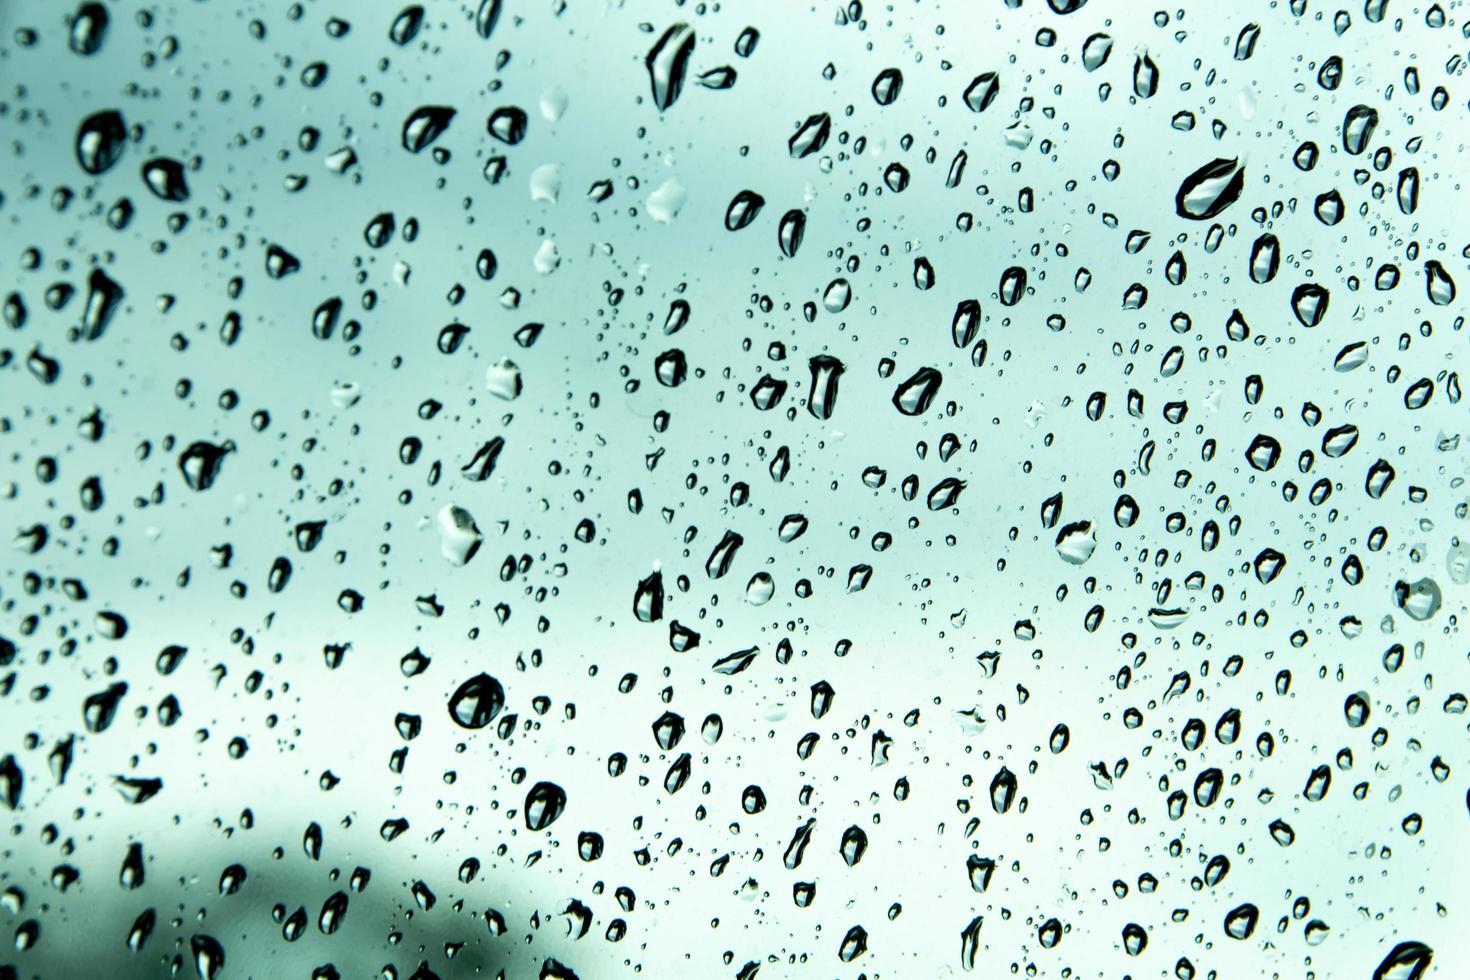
549 488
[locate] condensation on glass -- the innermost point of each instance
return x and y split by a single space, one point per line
585 488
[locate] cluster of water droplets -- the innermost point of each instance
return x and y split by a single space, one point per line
966 488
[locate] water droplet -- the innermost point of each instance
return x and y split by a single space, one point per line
982 91
1406 961
1357 128
1076 542
1240 921
459 538
811 136
406 25
826 372
914 396
1419 599
887 86
743 209
425 125
1095 51
1440 286
101 139
209 957
487 17
476 702
1309 303
165 178
668 63
88 29
503 379
1211 189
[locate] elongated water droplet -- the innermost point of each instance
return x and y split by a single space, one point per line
1145 76
810 137
970 943
88 29
1438 284
826 372
1211 189
209 957
1265 259
104 299
487 17
1357 128
1245 41
790 232
1406 961
1012 285
668 62
1002 790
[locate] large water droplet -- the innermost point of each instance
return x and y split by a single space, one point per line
1406 961
1240 921
1357 128
406 25
88 29
915 395
1309 303
544 804
101 139
201 463
165 178
1419 599
790 232
822 400
887 86
668 63
424 125
476 702
1438 284
1076 542
1210 190
811 136
743 209
209 957
104 299
487 17
982 91
459 538
1095 51
1145 76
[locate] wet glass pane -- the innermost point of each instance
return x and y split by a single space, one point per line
594 488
